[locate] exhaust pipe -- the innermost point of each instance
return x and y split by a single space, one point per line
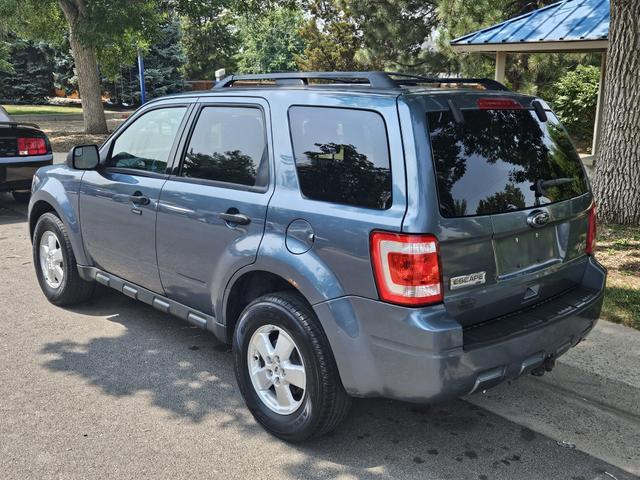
546 366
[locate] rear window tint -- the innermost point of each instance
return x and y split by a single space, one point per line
342 156
502 160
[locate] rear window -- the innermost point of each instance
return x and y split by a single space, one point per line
342 155
498 161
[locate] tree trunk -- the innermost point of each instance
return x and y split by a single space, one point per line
617 174
86 63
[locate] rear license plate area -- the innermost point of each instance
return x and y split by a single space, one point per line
527 251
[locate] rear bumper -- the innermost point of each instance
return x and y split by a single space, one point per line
17 173
420 355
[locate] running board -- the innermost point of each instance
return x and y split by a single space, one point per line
157 301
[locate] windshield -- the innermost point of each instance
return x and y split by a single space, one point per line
498 161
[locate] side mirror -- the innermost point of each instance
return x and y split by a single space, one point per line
84 157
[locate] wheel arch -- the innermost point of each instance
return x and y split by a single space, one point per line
245 289
277 269
58 203
38 209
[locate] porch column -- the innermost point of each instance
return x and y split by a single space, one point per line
501 64
599 108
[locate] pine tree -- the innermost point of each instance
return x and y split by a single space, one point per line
31 78
209 39
332 37
270 41
165 61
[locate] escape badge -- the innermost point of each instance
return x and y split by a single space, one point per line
462 281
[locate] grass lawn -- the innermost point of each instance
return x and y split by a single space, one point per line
49 110
41 109
618 249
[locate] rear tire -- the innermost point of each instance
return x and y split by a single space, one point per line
21 196
318 403
56 265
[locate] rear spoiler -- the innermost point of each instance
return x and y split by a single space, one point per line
19 124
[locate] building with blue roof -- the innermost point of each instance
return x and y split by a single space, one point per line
569 26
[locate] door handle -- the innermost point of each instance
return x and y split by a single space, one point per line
233 216
139 199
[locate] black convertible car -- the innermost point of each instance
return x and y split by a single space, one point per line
23 149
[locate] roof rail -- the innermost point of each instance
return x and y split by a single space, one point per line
410 79
375 79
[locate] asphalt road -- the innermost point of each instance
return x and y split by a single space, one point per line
115 389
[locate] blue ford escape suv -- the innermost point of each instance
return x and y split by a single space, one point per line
350 234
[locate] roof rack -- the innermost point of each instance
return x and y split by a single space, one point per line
374 79
407 79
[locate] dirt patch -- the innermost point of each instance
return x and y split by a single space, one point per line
63 141
65 134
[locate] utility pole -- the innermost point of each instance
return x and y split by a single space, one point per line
143 93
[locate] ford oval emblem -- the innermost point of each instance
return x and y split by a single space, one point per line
538 218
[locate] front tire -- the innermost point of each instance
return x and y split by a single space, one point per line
56 265
285 369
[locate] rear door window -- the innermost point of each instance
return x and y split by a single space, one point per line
498 161
342 156
228 145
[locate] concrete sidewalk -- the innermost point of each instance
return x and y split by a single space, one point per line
589 400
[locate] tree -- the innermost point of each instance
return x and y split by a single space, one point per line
31 77
270 41
208 39
524 72
617 173
394 32
332 37
575 98
164 62
5 53
107 29
64 77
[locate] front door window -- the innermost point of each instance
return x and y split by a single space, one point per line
146 143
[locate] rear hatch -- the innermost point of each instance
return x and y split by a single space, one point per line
513 199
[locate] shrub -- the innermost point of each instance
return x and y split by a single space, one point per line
575 99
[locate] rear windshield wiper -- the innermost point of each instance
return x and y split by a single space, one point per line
541 185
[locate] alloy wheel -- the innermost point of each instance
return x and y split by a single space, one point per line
276 369
51 259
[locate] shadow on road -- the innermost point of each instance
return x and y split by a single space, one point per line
10 211
186 372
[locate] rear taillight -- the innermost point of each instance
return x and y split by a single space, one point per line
498 103
591 231
31 146
406 268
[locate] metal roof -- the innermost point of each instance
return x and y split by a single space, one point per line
569 25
